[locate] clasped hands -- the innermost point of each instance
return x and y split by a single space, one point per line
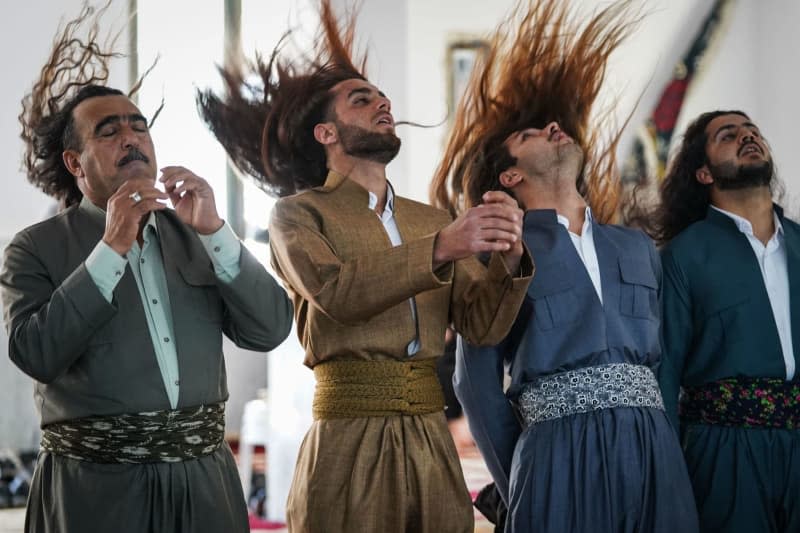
493 226
191 197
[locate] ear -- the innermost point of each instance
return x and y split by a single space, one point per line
72 160
510 178
325 133
703 175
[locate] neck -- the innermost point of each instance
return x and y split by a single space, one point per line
554 194
753 204
369 174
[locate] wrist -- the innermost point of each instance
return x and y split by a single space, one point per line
118 248
212 227
440 256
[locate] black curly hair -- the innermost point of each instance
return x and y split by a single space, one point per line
267 128
683 199
76 70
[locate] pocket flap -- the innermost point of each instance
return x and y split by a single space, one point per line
637 271
550 279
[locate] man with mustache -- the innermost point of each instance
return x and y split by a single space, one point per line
376 279
116 308
731 304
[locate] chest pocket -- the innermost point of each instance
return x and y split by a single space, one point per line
201 293
638 290
554 300
723 312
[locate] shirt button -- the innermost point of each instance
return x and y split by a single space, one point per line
166 339
217 248
141 260
118 273
177 382
155 301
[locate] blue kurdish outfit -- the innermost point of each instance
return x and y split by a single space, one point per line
580 441
732 355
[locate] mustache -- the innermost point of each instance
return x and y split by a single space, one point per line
747 144
133 155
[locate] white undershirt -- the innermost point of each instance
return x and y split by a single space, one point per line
584 245
775 273
390 225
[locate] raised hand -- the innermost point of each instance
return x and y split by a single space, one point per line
494 226
192 198
126 209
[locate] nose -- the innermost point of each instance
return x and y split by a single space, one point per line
746 137
552 128
384 104
128 137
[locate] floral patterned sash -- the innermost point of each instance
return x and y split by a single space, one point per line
152 437
743 402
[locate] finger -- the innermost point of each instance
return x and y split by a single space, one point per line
173 178
499 210
172 175
146 206
150 194
498 197
499 223
143 187
171 170
197 186
491 246
174 197
498 234
188 182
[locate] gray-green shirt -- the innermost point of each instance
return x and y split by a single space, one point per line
106 268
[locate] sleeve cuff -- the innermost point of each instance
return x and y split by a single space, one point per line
499 273
420 262
225 250
106 268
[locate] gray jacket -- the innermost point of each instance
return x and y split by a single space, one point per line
91 357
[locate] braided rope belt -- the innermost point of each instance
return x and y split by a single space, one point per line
353 389
588 389
151 437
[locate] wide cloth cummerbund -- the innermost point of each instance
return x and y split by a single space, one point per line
352 389
743 402
159 436
588 389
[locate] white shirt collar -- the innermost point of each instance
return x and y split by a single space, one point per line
373 199
745 226
564 221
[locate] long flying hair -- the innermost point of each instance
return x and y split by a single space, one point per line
76 70
541 65
267 127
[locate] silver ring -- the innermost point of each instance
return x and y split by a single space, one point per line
136 197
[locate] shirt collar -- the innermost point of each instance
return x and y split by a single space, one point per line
373 199
588 219
745 226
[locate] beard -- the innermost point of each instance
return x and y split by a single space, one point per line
729 176
365 144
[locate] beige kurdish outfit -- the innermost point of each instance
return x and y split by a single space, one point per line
379 456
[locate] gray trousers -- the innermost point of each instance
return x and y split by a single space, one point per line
71 496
